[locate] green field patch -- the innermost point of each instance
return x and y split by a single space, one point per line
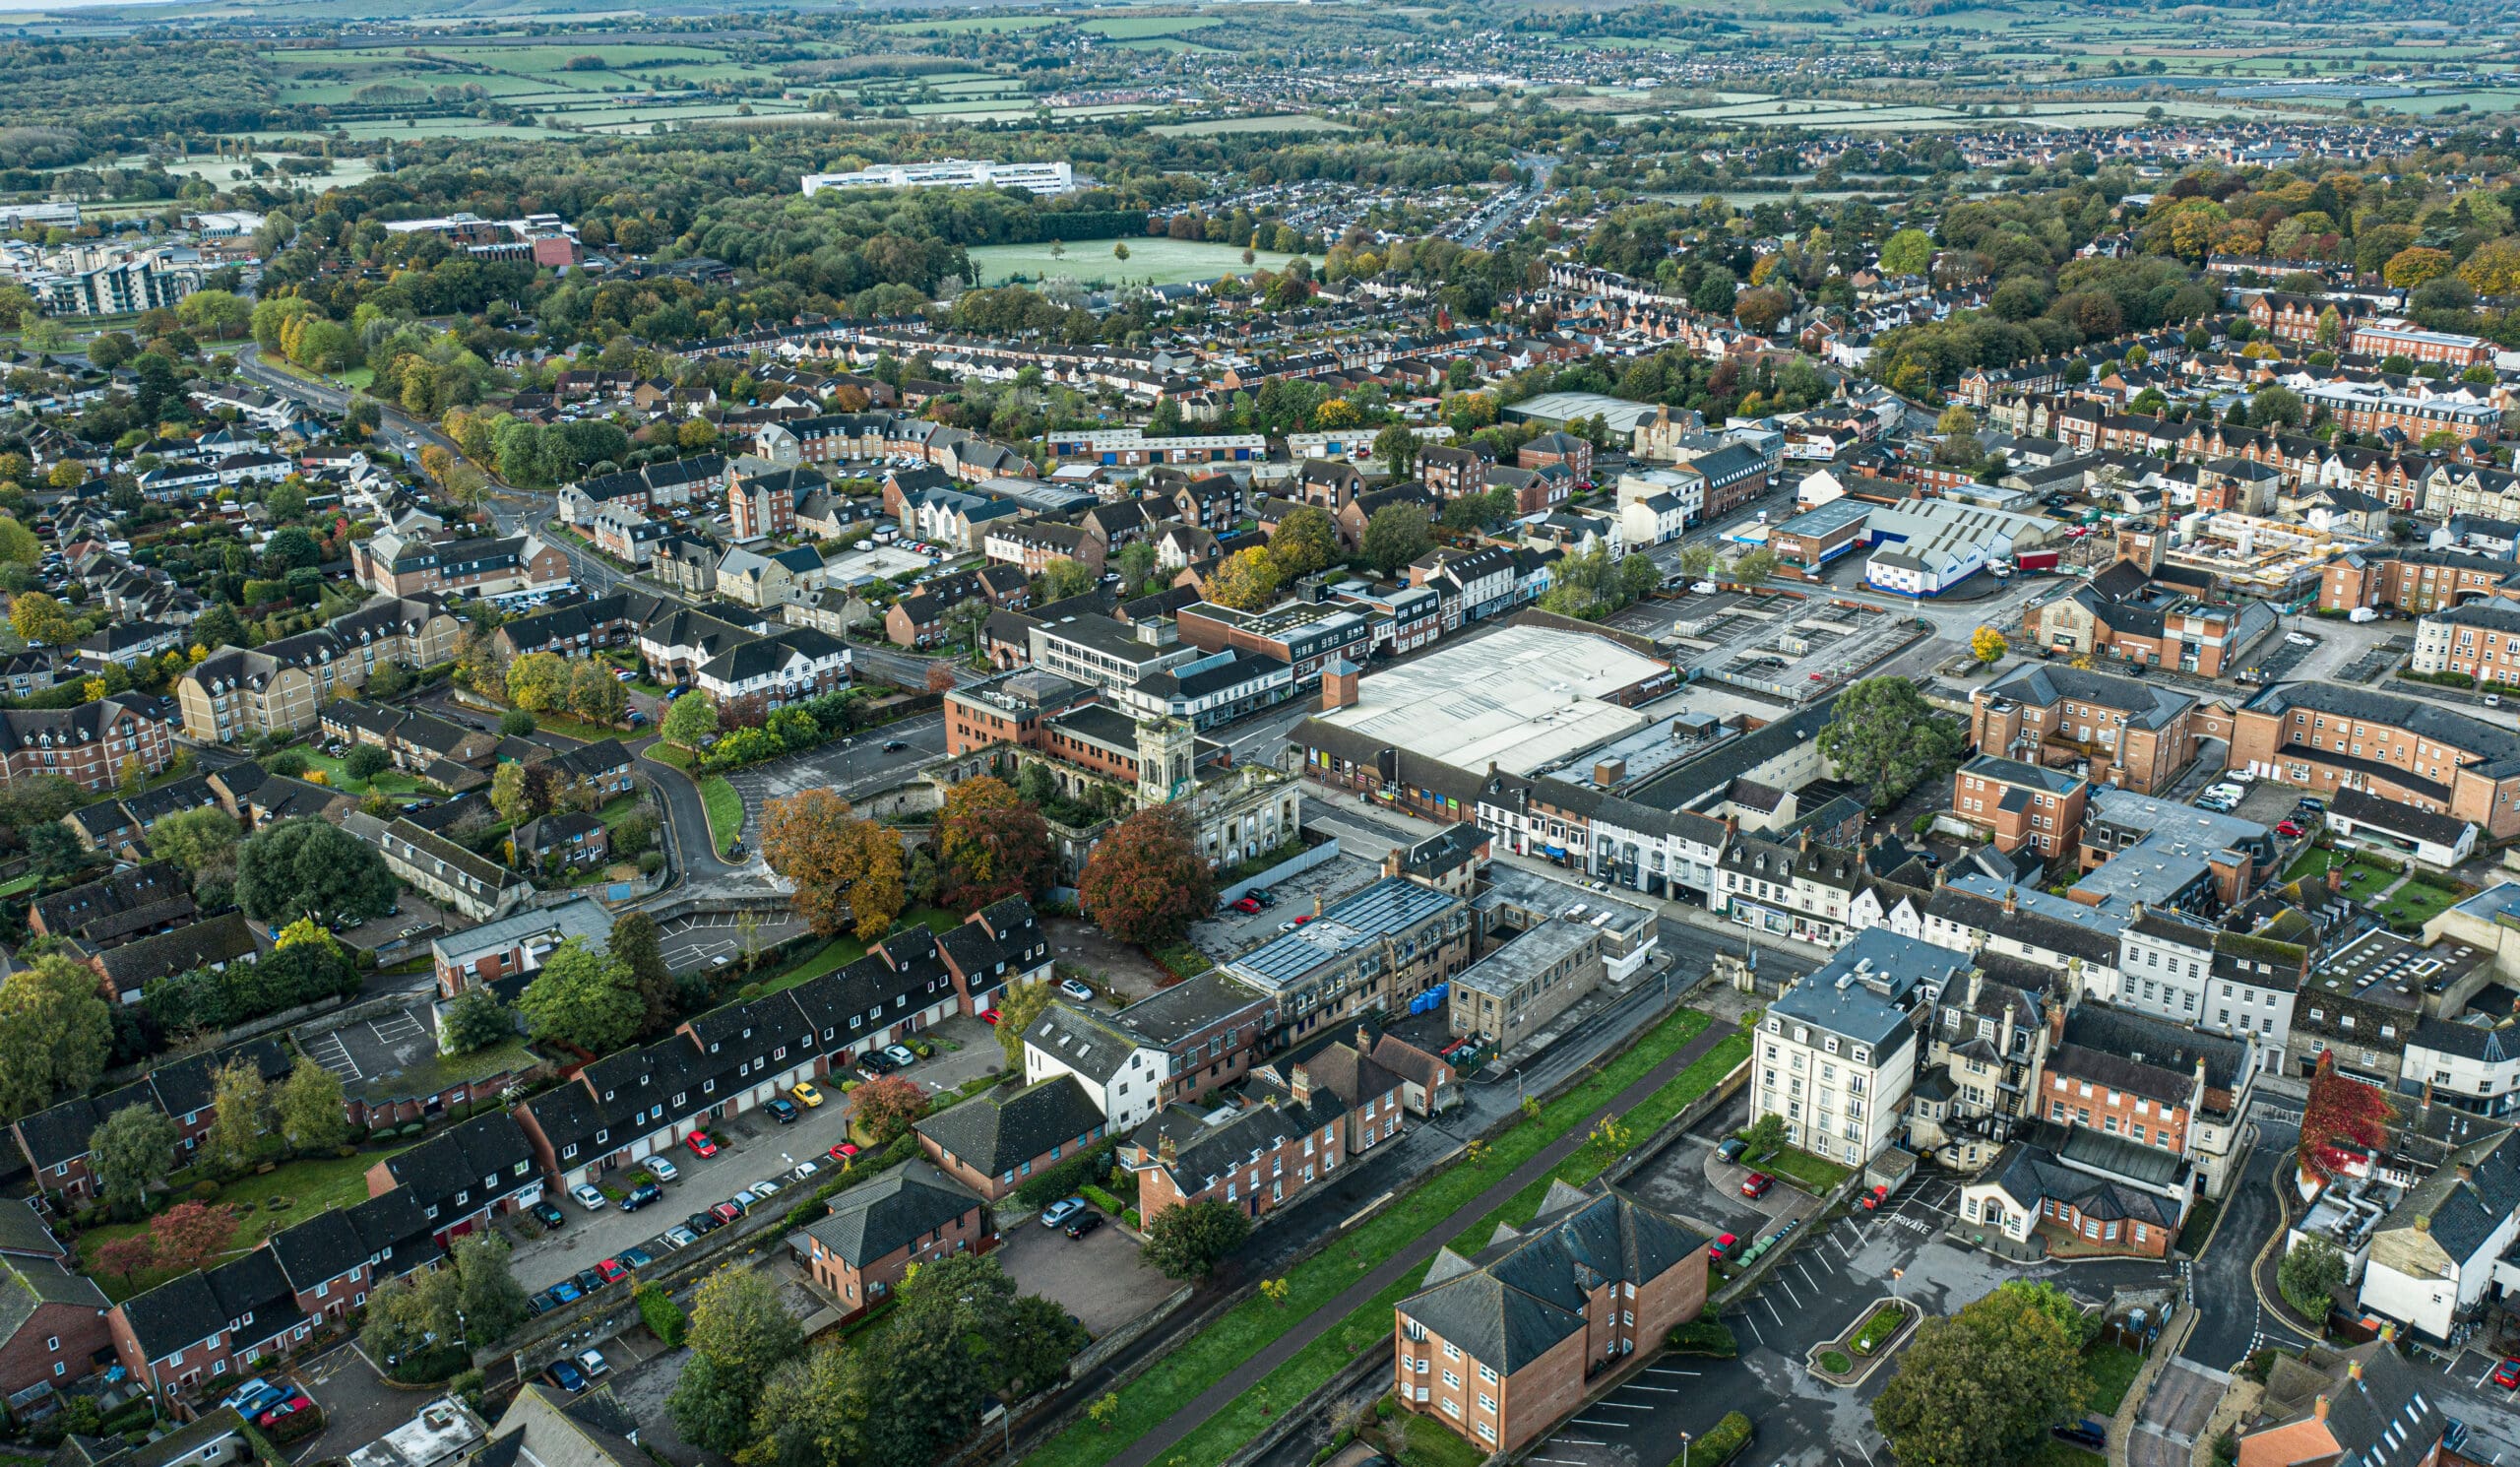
1282 122
970 23
1138 28
1160 262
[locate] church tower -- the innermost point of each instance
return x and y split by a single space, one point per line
1166 747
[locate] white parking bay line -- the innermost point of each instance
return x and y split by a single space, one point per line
1667 1371
1586 1421
1576 1461
1577 1441
1660 1390
1624 1406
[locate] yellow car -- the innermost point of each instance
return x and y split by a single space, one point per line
806 1095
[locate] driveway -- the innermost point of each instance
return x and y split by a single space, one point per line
1098 1278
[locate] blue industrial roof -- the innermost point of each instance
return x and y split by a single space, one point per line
1391 904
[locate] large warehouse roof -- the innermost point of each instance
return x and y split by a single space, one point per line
1520 697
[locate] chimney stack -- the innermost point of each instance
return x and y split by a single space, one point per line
2012 900
2318 1408
1300 1085
1365 1039
2353 1371
1165 1151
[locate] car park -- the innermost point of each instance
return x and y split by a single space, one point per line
726 1212
1732 1150
2312 803
589 1281
640 1196
1246 904
765 1188
679 1236
2508 1374
2290 828
1756 1185
1070 988
566 1292
592 1363
253 1397
587 1197
1061 1211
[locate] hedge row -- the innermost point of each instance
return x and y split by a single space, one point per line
663 1318
812 1209
1720 1444
1703 1336
1064 1178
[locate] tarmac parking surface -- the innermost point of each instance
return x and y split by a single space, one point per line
712 939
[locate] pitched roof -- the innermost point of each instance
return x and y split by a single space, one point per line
1527 1292
995 1135
887 1215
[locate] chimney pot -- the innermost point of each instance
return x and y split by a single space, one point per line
2353 1371
2318 1408
1165 1151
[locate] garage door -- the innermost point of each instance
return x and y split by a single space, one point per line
761 1093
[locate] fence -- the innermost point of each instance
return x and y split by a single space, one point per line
1292 866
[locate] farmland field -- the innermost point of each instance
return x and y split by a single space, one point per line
1138 28
1159 261
1276 123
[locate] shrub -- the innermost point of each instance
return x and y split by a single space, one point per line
1835 1363
1058 1182
296 1427
1704 1336
1878 1330
1720 1444
663 1318
1110 1204
431 1365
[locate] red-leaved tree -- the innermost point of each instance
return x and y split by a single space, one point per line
991 844
125 1258
1146 882
2342 1115
889 1104
189 1236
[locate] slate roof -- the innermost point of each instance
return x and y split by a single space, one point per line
2029 1175
115 906
2365 808
2464 1213
2146 1055
1527 1293
887 1215
995 1136
2496 749
220 939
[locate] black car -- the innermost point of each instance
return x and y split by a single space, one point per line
701 1222
589 1281
783 1110
547 1214
640 1196
1083 1223
876 1064
893 745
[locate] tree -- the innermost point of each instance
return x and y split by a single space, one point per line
991 844
474 1020
706 1410
1063 577
1981 1387
308 1106
2342 1117
1752 568
1136 565
1884 735
1765 1138
813 1410
517 723
1247 580
1017 1006
960 1333
1145 881
189 1236
55 1033
491 1302
743 1333
508 794
890 1104
2493 268
583 998
1189 1240
40 619
2276 407
2080 1325
2310 1275
1397 447
1987 644
18 543
56 853
1907 252
132 1152
539 683
636 941
1304 541
366 762
306 868
239 1102
2415 265
595 695
1397 535
847 870
691 718
1958 442
125 1258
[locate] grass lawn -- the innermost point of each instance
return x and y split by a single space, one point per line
670 754
2313 862
621 807
2416 903
25 884
844 950
2112 1370
2054 1453
311 1184
391 780
2200 1226
569 728
1423 1442
1434 1203
1803 1169
725 812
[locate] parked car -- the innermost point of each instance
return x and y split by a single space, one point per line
901 1054
726 1212
662 1169
2312 803
1070 988
2087 1433
1246 906
548 1213
1756 1185
1083 1223
876 1062
1722 1249
989 1016
768 1186
640 1196
1732 1150
701 1144
587 1197
844 1151
612 1271
680 1235
253 1397
2507 1375
1061 1211
893 745
589 1281
783 1110
805 1095
565 1375
592 1363
2290 828
566 1292
637 1257
702 1224
1263 895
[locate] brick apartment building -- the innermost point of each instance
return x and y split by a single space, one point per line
2478 638
2135 734
2021 805
993 1145
2323 737
1256 1158
2395 336
1500 1347
914 1214
1561 448
2409 578
88 744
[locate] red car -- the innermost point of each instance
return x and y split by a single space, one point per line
1756 1185
989 1016
844 1151
1723 1248
1246 904
1300 921
726 1212
2508 1374
2289 827
611 1270
1873 1199
700 1144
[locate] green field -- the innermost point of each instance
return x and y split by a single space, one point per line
1138 28
970 23
1159 261
1282 122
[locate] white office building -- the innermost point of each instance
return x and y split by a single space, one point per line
1045 180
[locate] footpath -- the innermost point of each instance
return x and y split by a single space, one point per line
1150 1448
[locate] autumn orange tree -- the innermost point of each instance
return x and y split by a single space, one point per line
847 869
889 1104
188 1236
2341 1115
991 844
1146 882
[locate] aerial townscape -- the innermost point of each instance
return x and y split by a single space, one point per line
1259 733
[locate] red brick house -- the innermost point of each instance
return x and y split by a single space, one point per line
1557 448
1254 1157
915 1215
992 1143
2021 804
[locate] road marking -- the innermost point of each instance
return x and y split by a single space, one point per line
1773 1314
1615 1426
1662 1390
1623 1406
1667 1371
1576 1461
1577 1441
1788 1293
1806 1279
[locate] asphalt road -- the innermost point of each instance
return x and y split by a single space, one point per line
2232 1322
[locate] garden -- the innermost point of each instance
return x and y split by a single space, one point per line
2410 900
255 1205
